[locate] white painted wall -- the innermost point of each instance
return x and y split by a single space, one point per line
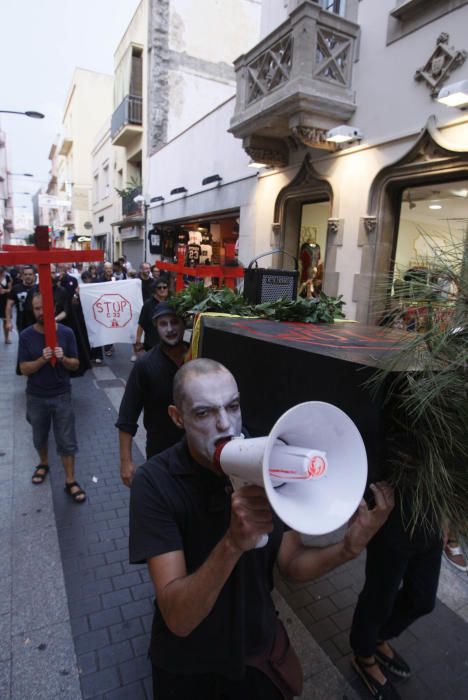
207 29
205 149
204 39
389 100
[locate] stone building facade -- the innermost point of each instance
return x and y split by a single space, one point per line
370 72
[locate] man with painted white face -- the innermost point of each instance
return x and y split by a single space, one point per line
149 389
215 628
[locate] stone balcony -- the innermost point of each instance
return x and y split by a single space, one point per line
297 82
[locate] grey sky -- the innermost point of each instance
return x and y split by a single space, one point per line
42 42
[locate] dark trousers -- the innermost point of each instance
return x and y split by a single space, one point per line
402 574
210 686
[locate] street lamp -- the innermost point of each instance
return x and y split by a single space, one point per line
28 113
140 199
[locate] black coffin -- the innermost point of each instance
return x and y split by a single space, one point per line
278 365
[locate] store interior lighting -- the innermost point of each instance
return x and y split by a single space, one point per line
454 95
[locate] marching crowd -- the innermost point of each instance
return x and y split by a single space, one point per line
215 635
19 283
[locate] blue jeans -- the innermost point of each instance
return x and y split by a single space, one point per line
58 411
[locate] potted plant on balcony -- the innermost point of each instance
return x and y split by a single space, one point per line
127 194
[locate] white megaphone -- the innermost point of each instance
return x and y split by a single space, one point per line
312 465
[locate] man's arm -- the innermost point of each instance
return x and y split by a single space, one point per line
299 564
139 333
8 314
70 363
185 601
130 408
32 366
127 466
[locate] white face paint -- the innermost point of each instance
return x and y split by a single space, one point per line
170 329
210 412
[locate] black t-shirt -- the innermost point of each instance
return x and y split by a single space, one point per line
147 287
177 505
19 294
49 380
149 389
69 284
145 321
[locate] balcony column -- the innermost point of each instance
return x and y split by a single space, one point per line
304 35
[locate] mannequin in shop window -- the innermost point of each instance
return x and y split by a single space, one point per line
309 256
311 270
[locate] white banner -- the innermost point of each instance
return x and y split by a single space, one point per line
111 311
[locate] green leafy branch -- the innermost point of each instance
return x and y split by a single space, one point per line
197 298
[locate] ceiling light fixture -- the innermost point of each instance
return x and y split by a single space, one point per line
344 134
257 165
434 205
454 95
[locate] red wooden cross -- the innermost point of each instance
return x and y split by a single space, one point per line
42 255
225 272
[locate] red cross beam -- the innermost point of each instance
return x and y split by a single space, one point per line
42 255
225 272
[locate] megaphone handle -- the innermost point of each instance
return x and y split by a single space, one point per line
236 485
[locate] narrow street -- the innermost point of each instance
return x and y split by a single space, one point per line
75 617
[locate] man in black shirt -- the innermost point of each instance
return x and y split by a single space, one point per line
149 388
215 622
147 280
17 298
66 281
145 322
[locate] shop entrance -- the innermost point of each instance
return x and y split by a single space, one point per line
208 240
430 237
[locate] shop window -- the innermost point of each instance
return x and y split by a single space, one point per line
432 230
410 15
311 247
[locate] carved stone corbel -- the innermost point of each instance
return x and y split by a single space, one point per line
313 137
367 229
440 64
335 228
270 151
275 234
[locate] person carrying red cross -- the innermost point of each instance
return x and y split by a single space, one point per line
48 395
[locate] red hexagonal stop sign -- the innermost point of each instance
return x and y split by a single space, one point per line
112 310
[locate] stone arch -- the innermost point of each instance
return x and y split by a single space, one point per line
307 186
430 159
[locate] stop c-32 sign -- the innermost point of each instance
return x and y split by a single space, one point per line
112 310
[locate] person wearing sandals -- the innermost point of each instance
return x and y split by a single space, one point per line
402 570
48 393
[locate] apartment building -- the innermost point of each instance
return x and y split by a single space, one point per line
128 124
88 103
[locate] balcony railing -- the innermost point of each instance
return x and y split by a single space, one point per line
298 76
129 111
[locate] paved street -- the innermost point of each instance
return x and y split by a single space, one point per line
75 616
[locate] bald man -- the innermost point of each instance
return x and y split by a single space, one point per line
215 625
